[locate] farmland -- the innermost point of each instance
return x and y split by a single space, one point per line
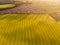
29 29
6 6
31 8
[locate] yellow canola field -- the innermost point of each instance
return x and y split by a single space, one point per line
29 29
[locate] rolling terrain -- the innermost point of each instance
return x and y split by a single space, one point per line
34 8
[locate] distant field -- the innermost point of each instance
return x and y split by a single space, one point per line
29 29
32 8
6 6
